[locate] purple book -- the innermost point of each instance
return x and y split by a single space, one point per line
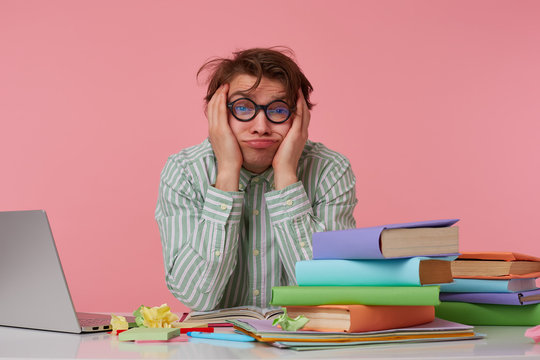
515 298
363 243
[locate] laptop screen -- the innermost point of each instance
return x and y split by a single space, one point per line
34 290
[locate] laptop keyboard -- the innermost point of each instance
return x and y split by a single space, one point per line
93 322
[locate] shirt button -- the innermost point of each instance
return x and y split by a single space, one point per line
240 187
255 252
255 179
302 243
255 212
223 207
256 292
289 202
217 252
273 187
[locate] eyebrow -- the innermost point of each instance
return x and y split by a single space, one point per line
247 93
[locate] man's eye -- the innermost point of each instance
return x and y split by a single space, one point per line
280 111
242 109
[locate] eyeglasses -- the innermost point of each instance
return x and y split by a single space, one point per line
245 109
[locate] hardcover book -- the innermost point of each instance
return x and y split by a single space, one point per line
496 265
489 314
513 298
424 238
360 318
482 285
355 295
390 272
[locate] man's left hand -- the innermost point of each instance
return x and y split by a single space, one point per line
286 159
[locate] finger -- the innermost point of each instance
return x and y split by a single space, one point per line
218 106
305 111
210 110
299 114
223 117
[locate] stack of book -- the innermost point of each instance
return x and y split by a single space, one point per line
492 288
367 286
373 279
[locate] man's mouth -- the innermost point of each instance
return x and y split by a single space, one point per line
260 143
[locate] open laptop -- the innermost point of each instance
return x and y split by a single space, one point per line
33 290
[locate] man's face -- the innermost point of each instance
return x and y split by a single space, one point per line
259 139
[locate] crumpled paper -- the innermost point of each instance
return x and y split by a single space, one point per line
155 317
288 324
533 333
118 323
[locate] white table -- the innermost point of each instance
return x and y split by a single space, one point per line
502 342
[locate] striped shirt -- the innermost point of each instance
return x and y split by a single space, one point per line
224 249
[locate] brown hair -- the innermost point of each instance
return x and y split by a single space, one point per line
258 62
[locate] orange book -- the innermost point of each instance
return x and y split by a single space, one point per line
495 265
361 318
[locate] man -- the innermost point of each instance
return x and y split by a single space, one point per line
237 211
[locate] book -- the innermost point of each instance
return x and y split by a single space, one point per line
424 238
496 286
361 318
513 298
239 312
390 272
263 331
495 265
355 295
489 314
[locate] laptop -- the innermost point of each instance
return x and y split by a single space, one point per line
33 290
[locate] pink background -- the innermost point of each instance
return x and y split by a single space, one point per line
436 104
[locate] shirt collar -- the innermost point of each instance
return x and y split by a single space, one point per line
246 177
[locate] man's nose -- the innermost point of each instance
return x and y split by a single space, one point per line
260 124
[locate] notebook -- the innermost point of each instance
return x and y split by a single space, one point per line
34 291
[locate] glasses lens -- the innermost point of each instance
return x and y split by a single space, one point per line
243 109
278 111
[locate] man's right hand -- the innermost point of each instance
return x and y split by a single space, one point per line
226 148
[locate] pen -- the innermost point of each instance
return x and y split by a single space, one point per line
199 329
220 336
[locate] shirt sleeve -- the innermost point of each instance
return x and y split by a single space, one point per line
295 218
199 235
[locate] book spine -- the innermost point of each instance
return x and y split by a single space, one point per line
349 295
360 243
482 298
390 272
476 285
489 314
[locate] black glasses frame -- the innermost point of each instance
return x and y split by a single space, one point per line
259 107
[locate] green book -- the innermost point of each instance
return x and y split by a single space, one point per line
489 314
351 295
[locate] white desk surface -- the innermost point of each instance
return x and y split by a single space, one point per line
502 342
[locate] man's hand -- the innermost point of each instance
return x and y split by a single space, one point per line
285 161
226 148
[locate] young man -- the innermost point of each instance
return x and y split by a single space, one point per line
237 211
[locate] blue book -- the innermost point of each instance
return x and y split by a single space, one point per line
489 286
415 271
